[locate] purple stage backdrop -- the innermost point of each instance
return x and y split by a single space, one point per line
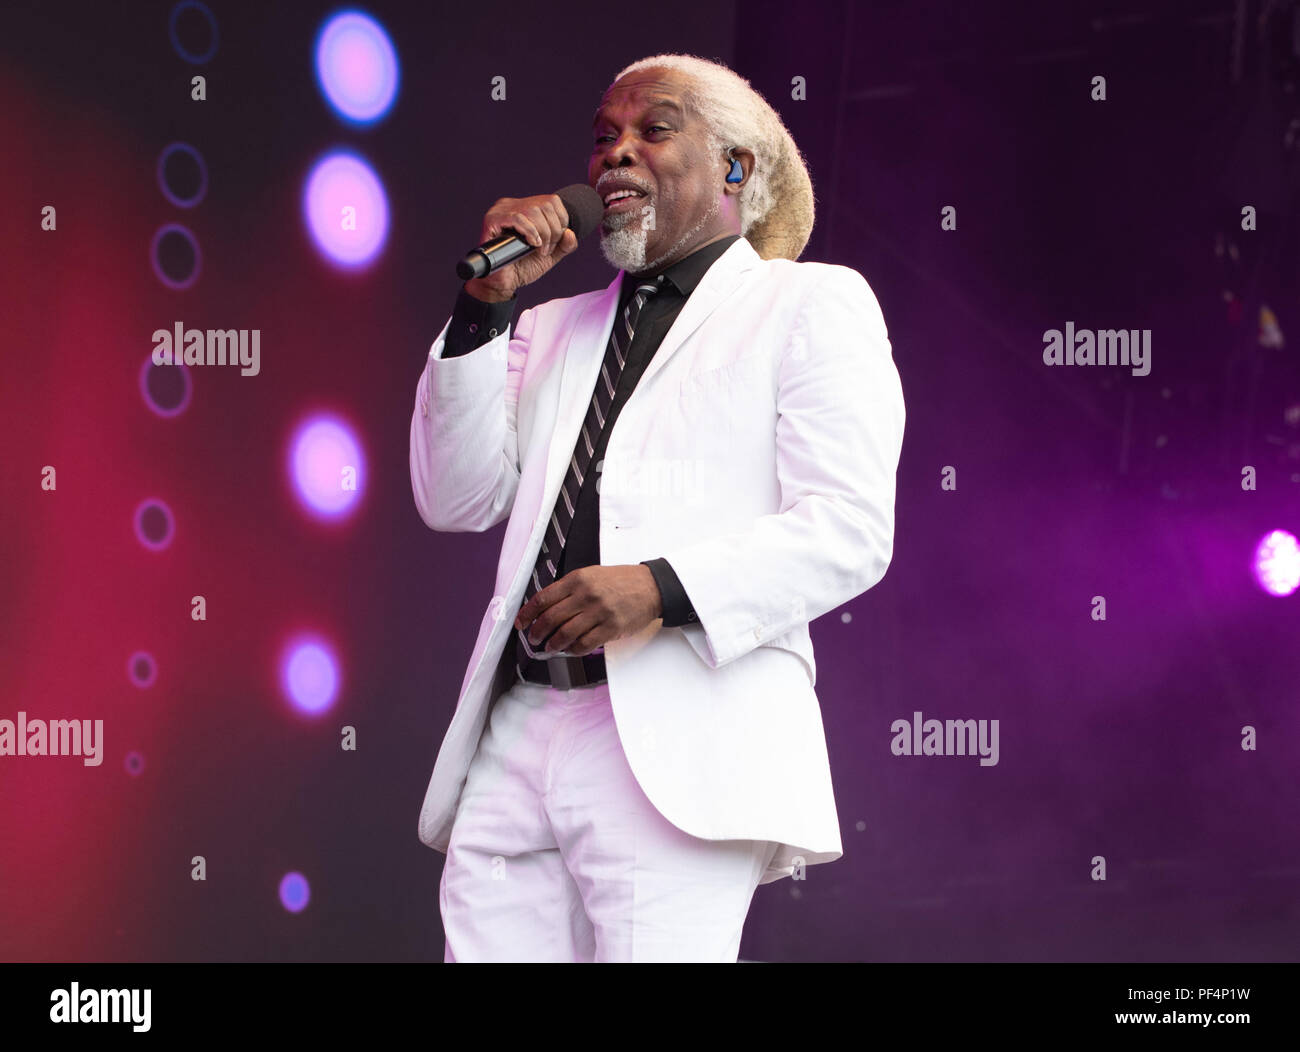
1091 561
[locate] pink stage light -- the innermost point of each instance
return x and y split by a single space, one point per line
1277 563
346 210
327 467
309 675
356 67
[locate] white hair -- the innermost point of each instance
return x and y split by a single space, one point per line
776 205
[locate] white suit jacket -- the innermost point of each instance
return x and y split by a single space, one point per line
757 454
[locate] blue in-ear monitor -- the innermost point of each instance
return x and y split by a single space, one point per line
736 174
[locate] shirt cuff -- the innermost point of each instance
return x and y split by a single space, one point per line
475 322
678 610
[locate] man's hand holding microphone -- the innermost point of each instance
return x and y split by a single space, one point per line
542 222
524 237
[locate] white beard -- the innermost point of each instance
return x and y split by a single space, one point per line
624 248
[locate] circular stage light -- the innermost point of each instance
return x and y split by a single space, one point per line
141 669
174 254
193 31
295 892
182 175
356 67
1277 563
346 209
309 676
327 467
154 525
166 389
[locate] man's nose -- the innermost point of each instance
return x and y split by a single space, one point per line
619 154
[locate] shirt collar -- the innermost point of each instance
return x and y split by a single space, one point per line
686 273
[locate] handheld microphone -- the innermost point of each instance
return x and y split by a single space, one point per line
585 210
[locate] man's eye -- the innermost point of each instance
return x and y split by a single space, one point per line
662 127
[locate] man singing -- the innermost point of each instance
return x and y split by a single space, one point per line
637 743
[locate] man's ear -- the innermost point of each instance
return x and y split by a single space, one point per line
746 159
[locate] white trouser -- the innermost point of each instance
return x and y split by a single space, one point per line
557 855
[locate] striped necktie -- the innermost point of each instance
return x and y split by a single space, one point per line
620 340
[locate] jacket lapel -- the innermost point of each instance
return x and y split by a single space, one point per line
719 282
590 337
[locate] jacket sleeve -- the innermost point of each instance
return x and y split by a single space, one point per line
464 431
839 435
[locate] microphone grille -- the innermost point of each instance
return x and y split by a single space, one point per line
584 206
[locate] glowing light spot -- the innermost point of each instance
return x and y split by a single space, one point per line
356 67
295 892
309 676
327 468
346 210
1277 563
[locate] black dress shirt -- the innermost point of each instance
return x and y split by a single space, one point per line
475 322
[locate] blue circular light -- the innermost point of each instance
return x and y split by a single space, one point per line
205 11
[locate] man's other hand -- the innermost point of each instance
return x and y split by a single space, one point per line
591 606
